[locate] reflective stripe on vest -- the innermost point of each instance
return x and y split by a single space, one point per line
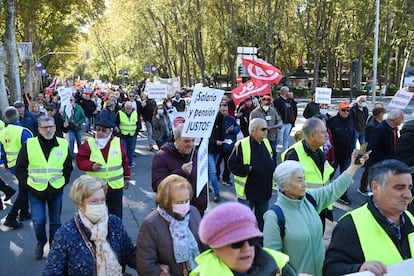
240 181
42 172
11 139
375 242
111 171
128 125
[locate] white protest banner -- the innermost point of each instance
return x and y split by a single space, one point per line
401 99
323 95
157 91
202 166
404 268
174 82
177 118
202 112
65 94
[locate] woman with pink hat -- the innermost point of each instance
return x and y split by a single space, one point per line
231 231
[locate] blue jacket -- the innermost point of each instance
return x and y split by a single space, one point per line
29 121
70 256
228 122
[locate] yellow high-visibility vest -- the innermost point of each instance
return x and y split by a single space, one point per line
375 242
111 171
128 125
42 171
240 181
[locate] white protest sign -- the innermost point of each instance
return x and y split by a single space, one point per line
25 50
157 91
404 268
202 112
65 94
202 166
174 82
401 99
323 95
408 81
177 118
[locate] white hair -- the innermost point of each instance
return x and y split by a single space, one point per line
284 172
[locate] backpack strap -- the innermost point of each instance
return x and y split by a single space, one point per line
311 200
280 219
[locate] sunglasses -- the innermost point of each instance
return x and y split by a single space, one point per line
345 110
263 129
240 244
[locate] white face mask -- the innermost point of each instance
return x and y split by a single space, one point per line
101 142
95 212
323 111
169 105
265 108
181 209
364 104
160 111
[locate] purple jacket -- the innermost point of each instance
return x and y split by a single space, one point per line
169 161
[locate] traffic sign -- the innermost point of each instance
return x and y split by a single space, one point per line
147 69
153 69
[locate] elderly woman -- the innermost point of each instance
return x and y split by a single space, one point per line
303 238
168 241
111 250
231 231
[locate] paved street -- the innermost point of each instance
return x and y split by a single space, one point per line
17 246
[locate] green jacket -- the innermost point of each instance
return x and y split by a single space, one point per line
77 116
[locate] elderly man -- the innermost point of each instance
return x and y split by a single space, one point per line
252 162
12 139
383 141
174 158
343 136
270 115
285 106
309 153
105 157
379 233
128 123
44 166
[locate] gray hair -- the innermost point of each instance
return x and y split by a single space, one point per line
284 89
11 115
178 130
381 171
311 126
45 118
360 98
284 172
254 123
394 114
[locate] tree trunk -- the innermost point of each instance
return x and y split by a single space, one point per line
11 51
4 103
316 70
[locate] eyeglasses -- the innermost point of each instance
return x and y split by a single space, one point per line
240 244
266 100
46 127
345 110
263 129
72 100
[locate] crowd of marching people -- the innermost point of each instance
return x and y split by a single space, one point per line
181 236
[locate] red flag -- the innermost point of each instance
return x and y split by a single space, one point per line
52 86
261 71
249 89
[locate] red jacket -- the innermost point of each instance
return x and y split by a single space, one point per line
84 164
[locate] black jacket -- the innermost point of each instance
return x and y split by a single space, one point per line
381 143
217 134
343 135
22 165
405 144
344 254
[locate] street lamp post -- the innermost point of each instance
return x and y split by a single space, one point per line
375 61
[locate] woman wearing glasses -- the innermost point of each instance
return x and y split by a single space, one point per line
231 231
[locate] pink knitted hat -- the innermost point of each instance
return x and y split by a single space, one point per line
228 223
